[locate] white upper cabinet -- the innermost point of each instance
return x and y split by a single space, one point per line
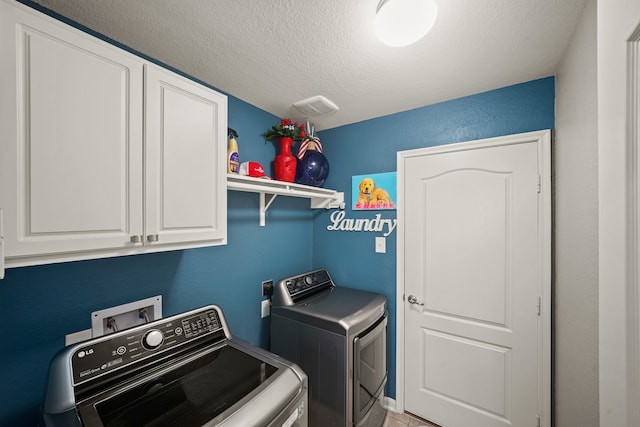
185 177
80 177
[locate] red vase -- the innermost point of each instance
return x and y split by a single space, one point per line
285 163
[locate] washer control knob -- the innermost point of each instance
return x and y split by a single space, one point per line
152 339
308 280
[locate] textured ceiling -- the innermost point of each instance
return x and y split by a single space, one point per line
272 53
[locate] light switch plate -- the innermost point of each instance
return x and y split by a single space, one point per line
381 245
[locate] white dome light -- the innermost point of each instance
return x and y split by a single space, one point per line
402 22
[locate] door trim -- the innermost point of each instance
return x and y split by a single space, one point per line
543 139
633 227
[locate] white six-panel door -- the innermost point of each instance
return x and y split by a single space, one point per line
475 279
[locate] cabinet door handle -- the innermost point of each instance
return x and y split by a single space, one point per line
152 238
136 239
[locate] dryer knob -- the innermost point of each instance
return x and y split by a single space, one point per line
152 339
308 280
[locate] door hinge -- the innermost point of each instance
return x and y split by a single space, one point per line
539 307
538 420
539 183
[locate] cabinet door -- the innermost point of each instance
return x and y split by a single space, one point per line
71 138
185 148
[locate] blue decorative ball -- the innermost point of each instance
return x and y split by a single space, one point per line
313 169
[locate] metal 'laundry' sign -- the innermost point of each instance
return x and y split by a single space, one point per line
376 224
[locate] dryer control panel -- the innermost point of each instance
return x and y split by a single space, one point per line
293 290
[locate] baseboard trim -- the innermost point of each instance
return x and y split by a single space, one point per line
389 404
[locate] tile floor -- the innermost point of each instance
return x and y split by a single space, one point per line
395 419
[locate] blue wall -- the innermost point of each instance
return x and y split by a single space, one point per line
371 147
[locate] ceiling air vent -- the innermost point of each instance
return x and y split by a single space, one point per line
316 105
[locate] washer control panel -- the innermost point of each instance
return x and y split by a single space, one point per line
294 289
112 352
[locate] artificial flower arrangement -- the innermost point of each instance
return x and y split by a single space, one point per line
286 129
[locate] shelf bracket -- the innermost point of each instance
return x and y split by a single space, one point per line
337 202
265 201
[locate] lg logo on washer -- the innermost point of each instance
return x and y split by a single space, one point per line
377 224
83 353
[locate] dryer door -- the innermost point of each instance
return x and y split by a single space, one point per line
370 369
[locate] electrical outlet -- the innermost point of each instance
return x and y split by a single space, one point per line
265 308
125 316
267 288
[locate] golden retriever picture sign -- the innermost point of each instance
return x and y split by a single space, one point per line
374 191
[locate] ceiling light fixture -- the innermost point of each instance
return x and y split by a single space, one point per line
403 22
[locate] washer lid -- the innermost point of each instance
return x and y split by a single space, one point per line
228 385
341 310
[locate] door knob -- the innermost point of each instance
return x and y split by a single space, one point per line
413 300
